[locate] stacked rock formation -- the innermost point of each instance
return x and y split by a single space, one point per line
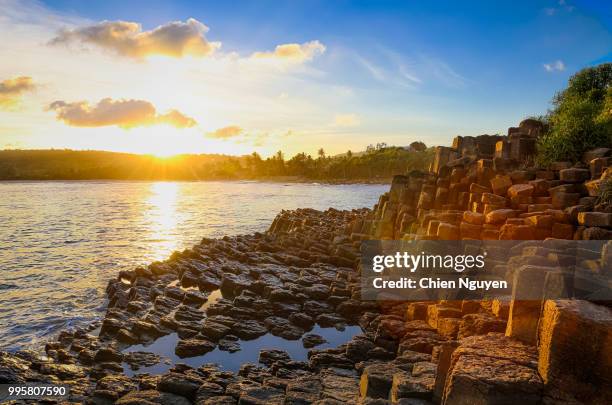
304 272
507 350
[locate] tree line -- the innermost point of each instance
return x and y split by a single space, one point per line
377 163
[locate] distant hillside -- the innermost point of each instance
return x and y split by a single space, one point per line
376 163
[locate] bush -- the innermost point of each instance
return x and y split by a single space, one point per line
581 118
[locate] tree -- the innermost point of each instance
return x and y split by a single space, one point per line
349 154
321 153
581 118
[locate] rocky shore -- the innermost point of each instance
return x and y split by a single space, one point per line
304 271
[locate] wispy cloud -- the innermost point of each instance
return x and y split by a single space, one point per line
175 39
122 113
561 6
556 66
11 90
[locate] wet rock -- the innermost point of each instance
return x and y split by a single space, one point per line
215 327
358 347
229 343
63 371
180 384
193 347
114 387
249 329
281 327
108 354
219 400
209 390
149 397
302 320
140 359
269 356
13 369
312 340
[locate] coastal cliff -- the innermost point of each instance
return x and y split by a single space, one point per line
305 272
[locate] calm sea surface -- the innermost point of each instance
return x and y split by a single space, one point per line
60 242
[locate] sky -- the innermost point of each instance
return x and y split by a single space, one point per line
236 77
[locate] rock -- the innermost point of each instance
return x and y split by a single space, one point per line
338 387
473 218
303 390
479 324
312 340
493 369
261 396
488 198
521 190
500 216
302 320
500 184
148 397
409 386
218 400
108 354
599 219
574 346
561 200
358 347
595 153
376 380
249 329
193 347
574 175
113 387
139 359
269 356
517 232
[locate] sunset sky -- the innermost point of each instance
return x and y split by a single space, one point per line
234 77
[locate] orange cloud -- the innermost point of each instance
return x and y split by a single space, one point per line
122 113
12 89
294 52
175 39
226 132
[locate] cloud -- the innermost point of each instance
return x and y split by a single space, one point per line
12 89
231 131
558 66
294 52
122 113
346 120
175 39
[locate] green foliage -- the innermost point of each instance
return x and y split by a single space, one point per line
581 118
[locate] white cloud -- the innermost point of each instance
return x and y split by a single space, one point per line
557 66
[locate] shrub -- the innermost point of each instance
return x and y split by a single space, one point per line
581 118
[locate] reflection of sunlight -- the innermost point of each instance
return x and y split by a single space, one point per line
163 218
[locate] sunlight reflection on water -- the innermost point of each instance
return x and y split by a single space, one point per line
60 242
